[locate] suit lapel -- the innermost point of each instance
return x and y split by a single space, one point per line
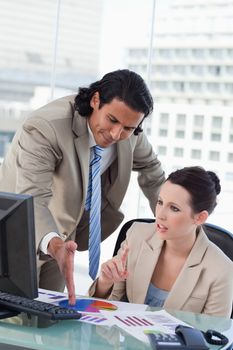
81 142
144 268
189 275
121 172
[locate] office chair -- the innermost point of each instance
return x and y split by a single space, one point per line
218 235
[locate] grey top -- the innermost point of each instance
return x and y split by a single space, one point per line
155 296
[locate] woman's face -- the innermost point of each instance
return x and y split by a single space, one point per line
174 216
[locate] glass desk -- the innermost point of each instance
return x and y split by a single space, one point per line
73 335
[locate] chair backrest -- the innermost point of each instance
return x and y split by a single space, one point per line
124 229
221 237
218 235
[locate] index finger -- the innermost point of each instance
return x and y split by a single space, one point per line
69 273
124 256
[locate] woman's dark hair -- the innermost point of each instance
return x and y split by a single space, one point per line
124 85
203 186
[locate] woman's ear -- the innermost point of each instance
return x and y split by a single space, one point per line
95 101
201 217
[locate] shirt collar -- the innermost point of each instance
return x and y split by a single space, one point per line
92 141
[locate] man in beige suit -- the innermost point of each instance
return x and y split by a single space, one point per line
171 263
49 159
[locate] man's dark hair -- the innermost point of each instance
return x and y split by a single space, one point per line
124 85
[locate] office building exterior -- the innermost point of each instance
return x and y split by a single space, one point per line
192 84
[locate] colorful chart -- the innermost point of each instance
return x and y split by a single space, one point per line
89 305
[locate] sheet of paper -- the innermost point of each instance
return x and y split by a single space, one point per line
90 306
137 324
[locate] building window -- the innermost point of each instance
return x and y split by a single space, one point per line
215 53
162 150
228 87
181 53
165 53
231 138
217 122
181 70
180 134
229 176
196 70
214 70
230 157
178 152
213 87
229 70
214 155
195 87
163 132
198 120
215 136
197 135
178 85
196 154
160 85
181 119
164 118
198 53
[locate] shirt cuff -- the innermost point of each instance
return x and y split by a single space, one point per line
45 241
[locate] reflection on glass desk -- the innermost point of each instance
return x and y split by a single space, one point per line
70 335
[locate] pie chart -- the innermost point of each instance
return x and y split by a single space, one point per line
89 305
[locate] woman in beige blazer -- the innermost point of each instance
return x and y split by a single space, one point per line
172 263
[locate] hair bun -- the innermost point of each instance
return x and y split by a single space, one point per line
215 180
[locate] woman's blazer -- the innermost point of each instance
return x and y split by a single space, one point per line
204 285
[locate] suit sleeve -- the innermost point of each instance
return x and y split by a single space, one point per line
36 160
150 172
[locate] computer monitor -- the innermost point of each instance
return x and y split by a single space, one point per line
18 273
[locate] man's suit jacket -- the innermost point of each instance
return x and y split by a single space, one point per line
205 284
49 158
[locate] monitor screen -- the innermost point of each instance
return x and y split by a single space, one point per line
18 273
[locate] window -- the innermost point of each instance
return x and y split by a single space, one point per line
229 176
198 120
197 70
217 122
198 53
215 137
195 87
213 87
178 152
230 157
162 150
181 70
165 53
180 134
214 70
196 154
228 87
178 85
164 118
215 53
181 119
197 135
214 155
163 132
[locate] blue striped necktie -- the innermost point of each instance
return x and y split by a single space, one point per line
93 204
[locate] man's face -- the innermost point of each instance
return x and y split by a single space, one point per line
112 122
